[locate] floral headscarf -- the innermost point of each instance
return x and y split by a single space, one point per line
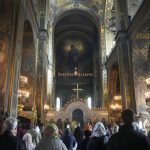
51 130
99 130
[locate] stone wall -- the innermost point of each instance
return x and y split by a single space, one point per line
141 65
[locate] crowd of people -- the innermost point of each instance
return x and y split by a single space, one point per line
97 136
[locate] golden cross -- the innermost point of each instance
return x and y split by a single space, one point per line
77 90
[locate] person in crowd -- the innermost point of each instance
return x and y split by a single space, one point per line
1 124
148 138
8 139
87 126
66 122
127 138
104 122
68 139
84 142
28 140
35 133
42 129
136 126
98 138
51 140
108 130
115 128
78 133
59 124
38 134
21 131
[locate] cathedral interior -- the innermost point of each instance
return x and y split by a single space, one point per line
76 59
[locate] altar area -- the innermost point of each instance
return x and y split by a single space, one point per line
77 110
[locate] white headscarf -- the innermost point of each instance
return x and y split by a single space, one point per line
115 128
99 130
136 126
37 129
28 140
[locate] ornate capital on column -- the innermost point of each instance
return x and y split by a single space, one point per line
43 34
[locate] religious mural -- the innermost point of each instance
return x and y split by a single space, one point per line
4 45
5 15
74 64
141 65
74 54
95 5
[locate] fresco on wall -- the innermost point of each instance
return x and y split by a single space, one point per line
3 67
74 53
141 65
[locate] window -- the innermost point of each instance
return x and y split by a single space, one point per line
89 102
57 104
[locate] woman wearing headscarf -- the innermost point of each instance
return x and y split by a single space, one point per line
28 140
98 138
51 140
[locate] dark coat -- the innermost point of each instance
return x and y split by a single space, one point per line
69 140
127 139
10 142
97 143
84 143
78 133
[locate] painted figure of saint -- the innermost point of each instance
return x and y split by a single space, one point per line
73 57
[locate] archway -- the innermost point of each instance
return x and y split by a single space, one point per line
27 70
77 115
77 57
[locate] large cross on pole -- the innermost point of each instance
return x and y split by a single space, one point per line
77 90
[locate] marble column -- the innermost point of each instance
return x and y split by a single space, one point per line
124 55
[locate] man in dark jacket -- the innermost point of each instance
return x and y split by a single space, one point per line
127 138
8 139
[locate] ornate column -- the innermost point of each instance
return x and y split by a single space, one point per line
95 81
16 61
103 78
34 109
51 58
124 57
42 71
7 100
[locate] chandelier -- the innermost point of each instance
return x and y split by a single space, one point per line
46 107
117 97
148 82
23 79
22 93
115 105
